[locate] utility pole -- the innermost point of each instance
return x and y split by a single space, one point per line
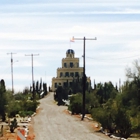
32 55
12 70
84 75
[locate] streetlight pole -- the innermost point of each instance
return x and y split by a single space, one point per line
84 75
12 71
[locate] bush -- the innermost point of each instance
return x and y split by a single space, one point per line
123 123
24 108
30 105
113 120
13 108
104 117
75 104
25 113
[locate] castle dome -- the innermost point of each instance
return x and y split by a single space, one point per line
70 51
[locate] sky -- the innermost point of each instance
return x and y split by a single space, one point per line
45 27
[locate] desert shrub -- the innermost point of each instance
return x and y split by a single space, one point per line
75 104
25 113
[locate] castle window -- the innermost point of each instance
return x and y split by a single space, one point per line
71 64
71 74
55 85
76 74
70 83
61 74
67 74
65 65
65 84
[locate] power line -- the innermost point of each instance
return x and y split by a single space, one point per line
112 58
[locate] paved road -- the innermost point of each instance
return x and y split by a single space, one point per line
52 123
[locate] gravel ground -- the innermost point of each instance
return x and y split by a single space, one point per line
52 123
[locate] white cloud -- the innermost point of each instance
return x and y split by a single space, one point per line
48 32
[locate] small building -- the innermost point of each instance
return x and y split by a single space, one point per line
70 69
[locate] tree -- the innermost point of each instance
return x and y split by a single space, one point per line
134 72
37 87
77 85
59 95
26 91
40 85
33 92
106 91
45 88
2 99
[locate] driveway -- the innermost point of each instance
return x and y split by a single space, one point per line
53 123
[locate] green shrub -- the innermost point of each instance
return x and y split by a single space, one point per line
113 120
123 123
104 117
75 104
31 105
25 113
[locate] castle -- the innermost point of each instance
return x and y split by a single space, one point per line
70 69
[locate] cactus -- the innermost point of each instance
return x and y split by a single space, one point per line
13 125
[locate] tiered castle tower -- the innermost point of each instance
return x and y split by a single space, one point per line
70 69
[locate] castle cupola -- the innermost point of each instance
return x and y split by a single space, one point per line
70 53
